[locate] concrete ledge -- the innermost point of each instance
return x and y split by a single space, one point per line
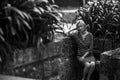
7 77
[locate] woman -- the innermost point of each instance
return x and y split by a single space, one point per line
84 40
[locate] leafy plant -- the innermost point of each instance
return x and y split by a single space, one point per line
23 22
103 18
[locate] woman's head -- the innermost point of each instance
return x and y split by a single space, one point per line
81 26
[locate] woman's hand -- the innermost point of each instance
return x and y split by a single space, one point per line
81 58
85 54
67 33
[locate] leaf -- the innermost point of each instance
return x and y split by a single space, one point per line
31 21
2 38
28 4
13 31
41 9
116 19
49 8
35 14
1 31
100 26
27 39
4 51
10 19
53 1
73 30
55 6
18 23
57 27
37 10
26 16
41 1
11 25
15 10
25 23
53 16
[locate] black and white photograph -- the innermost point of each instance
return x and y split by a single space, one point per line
59 39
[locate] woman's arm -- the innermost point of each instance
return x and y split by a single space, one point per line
85 54
91 44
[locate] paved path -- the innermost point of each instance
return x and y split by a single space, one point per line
6 77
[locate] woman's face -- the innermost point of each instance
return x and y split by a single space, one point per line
81 27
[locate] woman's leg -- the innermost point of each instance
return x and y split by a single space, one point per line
92 67
86 70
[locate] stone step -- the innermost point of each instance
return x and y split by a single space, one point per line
7 77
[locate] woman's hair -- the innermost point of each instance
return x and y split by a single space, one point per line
80 22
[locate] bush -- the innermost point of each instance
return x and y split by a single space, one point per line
26 23
103 18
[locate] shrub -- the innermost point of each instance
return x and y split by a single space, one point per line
24 23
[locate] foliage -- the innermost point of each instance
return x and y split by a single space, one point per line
103 18
23 22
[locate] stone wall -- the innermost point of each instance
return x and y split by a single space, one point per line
110 65
57 60
53 62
